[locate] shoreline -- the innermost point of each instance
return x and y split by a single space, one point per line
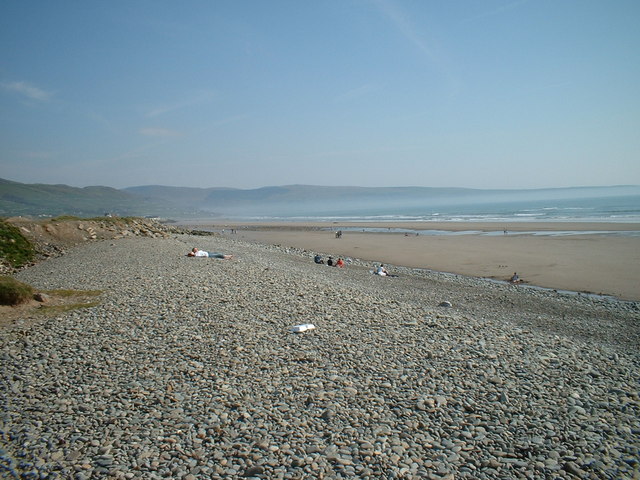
452 226
602 264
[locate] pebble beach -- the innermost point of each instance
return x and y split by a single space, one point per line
189 369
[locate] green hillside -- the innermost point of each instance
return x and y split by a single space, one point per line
288 200
51 200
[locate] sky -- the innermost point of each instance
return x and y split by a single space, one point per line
252 93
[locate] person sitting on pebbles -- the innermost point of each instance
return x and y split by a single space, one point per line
195 252
383 272
340 263
515 278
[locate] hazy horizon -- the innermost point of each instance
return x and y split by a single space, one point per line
320 185
498 94
615 203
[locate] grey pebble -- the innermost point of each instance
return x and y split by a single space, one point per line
186 370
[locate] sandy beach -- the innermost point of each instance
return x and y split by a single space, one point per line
600 259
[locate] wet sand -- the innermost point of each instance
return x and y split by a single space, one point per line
602 263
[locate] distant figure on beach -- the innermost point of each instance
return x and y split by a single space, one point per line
515 278
330 261
339 234
340 263
318 259
195 252
382 271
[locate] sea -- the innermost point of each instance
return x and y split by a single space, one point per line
612 209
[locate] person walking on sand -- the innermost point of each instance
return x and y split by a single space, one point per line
195 252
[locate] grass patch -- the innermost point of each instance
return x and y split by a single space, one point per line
14 247
67 307
13 292
120 220
55 302
108 220
63 293
66 218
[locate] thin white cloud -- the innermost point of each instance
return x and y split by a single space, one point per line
161 136
429 48
27 90
159 132
406 27
223 121
197 99
361 91
496 11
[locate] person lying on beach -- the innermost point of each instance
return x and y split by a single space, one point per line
195 252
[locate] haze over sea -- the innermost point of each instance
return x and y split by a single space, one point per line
616 209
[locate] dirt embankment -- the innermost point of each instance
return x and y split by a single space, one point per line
54 237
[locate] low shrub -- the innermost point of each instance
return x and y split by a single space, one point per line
15 249
104 220
66 293
13 292
65 218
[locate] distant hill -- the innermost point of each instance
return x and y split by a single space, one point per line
289 200
293 199
305 200
51 200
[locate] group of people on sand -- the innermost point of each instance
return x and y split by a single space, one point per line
379 270
340 263
330 261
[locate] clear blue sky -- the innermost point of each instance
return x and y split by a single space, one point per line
249 93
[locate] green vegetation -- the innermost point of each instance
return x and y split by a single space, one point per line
14 247
109 220
117 220
67 300
65 293
65 218
67 307
41 200
13 292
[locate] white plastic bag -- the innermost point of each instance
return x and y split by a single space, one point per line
303 328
